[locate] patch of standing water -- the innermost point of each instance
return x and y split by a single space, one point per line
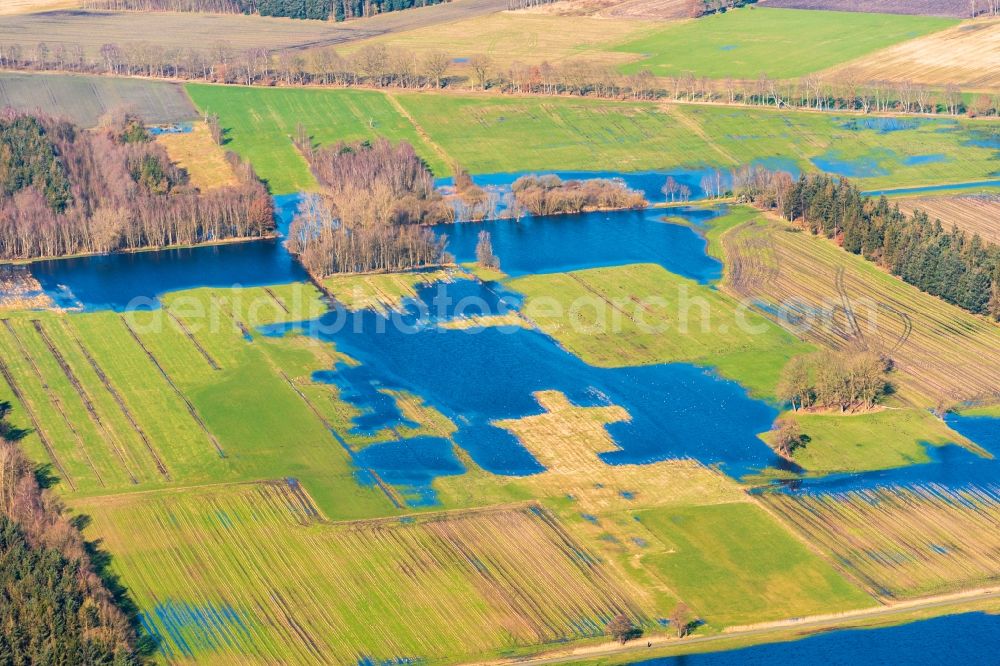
573 242
855 167
918 160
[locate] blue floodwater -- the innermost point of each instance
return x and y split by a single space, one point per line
927 189
982 138
476 378
884 125
176 128
571 242
130 281
861 167
917 160
194 628
971 639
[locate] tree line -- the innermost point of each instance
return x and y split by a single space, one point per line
377 200
376 65
321 10
54 606
960 268
67 191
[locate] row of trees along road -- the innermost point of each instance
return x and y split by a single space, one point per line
66 191
376 65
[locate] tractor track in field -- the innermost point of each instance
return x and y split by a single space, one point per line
180 394
121 405
16 390
55 400
383 486
190 336
88 403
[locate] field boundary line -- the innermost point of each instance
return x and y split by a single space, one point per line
187 403
418 128
121 404
56 401
184 329
389 492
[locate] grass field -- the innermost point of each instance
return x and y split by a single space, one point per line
967 55
734 565
941 353
979 214
255 572
84 99
953 8
521 36
203 159
642 314
189 395
903 542
507 134
869 441
783 43
261 124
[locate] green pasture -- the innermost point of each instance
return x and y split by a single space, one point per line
642 314
261 125
733 564
508 134
890 438
180 397
783 43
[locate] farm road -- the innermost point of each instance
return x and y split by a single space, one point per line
93 29
799 626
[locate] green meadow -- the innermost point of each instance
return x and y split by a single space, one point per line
641 314
261 125
783 43
508 134
734 565
894 437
